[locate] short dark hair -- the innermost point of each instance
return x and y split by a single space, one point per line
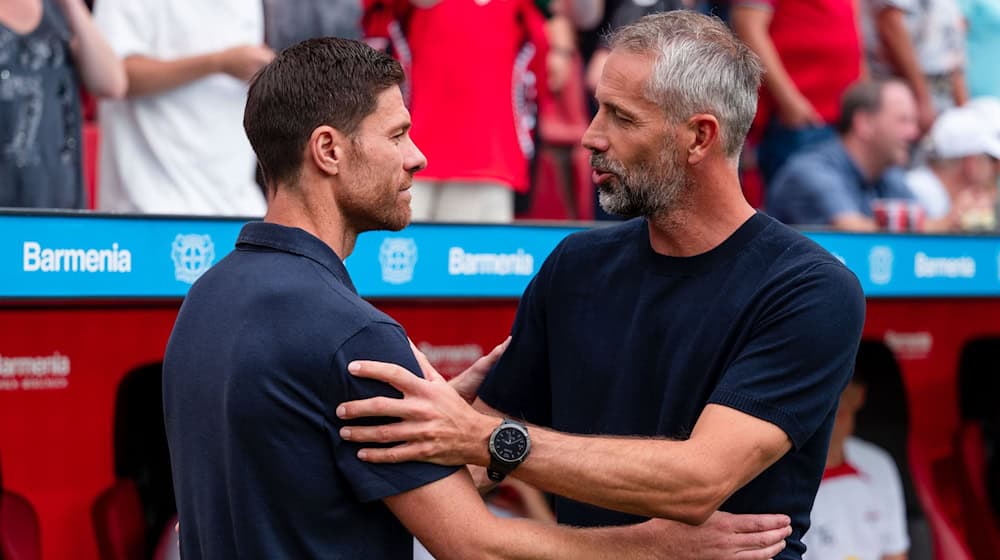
864 96
327 81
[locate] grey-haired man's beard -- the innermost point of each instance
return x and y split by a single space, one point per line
648 190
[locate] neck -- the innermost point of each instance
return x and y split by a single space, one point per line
298 207
863 156
712 210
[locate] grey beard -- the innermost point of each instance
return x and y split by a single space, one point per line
643 192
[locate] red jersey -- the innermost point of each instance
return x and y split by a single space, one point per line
819 45
472 69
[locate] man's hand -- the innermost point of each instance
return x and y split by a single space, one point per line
724 537
436 424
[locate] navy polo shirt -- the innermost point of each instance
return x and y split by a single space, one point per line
818 185
614 338
254 370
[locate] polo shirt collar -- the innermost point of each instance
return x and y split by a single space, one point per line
849 163
297 242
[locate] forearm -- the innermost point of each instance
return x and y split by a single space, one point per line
517 539
648 477
899 48
100 69
959 87
751 25
148 76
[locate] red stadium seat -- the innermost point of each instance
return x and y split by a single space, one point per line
980 522
119 522
19 534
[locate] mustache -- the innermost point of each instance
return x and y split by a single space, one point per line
602 162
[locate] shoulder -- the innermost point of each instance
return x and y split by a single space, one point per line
870 459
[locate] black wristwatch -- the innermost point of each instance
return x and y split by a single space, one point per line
509 447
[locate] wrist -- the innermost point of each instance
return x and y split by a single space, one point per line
479 452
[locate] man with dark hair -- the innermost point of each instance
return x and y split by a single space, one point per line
701 346
258 359
835 183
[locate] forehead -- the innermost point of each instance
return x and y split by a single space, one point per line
390 111
896 96
625 78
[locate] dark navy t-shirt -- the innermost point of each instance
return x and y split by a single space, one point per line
614 338
254 370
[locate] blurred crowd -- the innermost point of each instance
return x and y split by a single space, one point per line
874 114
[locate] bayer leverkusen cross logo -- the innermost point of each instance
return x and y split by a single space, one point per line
193 255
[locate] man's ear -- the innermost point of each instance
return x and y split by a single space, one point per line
326 149
705 134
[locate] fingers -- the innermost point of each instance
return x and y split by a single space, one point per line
395 375
380 406
762 544
398 454
485 363
387 433
763 553
757 523
426 367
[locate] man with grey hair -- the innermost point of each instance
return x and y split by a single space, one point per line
718 336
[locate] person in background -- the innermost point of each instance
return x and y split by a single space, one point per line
982 46
835 184
47 49
859 510
174 145
287 22
474 116
922 43
811 50
957 184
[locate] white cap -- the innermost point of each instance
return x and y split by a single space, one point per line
964 131
989 109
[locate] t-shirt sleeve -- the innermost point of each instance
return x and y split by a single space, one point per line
127 25
519 384
385 342
800 354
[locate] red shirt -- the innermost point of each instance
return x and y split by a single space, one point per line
819 45
472 67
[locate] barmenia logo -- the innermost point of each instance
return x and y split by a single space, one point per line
45 259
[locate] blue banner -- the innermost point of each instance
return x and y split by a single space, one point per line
94 256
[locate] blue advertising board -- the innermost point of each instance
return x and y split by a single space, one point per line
64 255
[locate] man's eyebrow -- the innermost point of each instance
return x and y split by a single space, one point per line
614 107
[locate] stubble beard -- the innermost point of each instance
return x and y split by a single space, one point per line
651 189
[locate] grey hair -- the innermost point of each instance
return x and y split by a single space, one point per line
699 67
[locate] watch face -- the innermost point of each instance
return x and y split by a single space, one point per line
510 444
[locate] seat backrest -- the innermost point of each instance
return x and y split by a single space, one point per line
983 536
20 538
119 522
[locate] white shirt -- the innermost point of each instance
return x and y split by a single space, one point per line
859 512
182 151
930 192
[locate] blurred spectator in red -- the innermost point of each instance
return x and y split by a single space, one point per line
811 50
176 144
835 183
287 22
923 43
957 186
473 67
859 510
46 46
